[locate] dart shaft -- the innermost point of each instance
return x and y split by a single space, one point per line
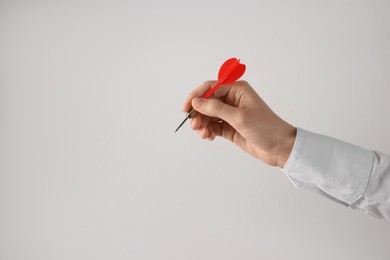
212 90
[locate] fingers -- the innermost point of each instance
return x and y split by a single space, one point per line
222 105
200 121
203 126
198 92
217 128
215 108
237 88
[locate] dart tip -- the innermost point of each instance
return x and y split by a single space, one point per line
177 129
182 123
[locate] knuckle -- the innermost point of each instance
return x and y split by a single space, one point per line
215 107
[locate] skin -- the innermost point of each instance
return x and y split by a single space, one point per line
237 113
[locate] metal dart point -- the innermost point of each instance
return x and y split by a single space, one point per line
190 114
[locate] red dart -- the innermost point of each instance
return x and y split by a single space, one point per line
230 71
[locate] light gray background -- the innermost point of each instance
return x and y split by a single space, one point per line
91 91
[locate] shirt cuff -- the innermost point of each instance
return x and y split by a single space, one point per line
327 165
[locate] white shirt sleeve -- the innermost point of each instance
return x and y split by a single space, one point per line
351 175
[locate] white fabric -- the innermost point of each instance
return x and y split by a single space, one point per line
354 176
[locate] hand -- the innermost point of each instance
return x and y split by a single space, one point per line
237 113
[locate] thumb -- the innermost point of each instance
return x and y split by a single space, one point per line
214 108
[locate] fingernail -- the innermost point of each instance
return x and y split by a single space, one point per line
197 102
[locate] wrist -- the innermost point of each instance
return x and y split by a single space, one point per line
285 146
